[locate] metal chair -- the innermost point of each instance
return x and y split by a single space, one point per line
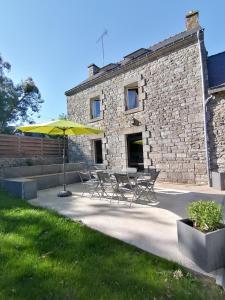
107 184
90 183
98 167
146 184
124 185
131 171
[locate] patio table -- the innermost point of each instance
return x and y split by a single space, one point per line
131 175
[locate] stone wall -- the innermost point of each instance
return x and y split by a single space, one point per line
28 161
170 116
216 132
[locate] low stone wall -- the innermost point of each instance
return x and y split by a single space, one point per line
29 161
24 181
29 171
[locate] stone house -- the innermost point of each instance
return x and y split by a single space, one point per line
156 109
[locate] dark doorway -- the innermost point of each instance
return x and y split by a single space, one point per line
98 151
135 151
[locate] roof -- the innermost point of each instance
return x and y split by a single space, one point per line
216 71
130 59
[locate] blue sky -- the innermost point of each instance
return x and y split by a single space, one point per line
55 41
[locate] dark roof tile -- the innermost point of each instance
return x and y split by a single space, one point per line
216 70
135 55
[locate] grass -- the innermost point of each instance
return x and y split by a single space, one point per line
46 256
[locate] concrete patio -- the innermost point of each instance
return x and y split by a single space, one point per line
151 227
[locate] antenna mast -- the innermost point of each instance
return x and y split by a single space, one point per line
101 39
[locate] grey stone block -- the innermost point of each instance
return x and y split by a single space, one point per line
52 180
23 171
28 171
218 180
21 187
46 181
50 169
71 177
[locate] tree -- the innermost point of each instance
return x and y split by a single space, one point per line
18 102
62 116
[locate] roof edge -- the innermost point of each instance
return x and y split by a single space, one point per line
219 53
184 36
217 89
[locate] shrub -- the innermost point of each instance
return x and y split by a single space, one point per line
206 215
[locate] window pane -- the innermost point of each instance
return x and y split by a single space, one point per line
95 108
132 98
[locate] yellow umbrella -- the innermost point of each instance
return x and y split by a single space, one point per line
61 127
138 142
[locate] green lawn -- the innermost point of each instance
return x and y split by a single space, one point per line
46 256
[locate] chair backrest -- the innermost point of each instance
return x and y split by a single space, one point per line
84 175
115 170
103 177
153 173
122 178
154 176
131 170
98 167
149 169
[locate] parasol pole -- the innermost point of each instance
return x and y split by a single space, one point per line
64 152
64 193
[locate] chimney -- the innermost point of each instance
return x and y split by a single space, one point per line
192 20
92 70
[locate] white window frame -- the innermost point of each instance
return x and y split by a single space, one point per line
91 112
133 85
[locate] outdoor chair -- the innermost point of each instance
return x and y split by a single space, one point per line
89 182
150 169
107 184
131 171
98 168
146 184
124 186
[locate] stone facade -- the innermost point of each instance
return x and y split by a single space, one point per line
216 132
170 114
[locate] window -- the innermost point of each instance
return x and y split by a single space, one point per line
95 108
132 97
98 151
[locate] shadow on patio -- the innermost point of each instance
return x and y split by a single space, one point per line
152 228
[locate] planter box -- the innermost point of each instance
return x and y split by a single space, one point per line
218 180
207 250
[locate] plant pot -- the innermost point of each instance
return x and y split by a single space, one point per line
207 250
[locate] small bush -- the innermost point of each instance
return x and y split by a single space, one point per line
206 215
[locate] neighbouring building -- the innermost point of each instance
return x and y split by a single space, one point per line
152 108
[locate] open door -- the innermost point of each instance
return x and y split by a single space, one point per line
135 151
98 151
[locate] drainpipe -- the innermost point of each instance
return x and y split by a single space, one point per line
204 102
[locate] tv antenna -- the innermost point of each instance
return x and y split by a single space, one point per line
101 39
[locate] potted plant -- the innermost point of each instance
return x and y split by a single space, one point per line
201 237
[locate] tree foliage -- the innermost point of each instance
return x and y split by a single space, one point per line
62 116
18 102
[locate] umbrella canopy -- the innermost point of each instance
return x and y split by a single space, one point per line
138 142
60 127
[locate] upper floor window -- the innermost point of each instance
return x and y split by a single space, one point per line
132 97
95 108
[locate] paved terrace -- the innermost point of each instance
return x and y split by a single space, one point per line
151 227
